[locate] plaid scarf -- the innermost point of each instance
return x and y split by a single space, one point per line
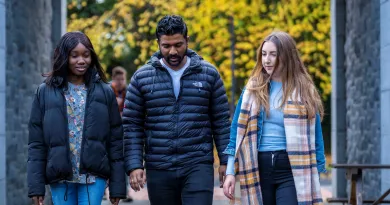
300 137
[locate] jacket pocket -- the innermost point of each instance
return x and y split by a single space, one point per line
58 166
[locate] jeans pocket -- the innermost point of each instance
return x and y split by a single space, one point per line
282 163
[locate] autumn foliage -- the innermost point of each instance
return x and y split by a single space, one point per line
123 31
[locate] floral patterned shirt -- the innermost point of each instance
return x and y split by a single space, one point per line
75 103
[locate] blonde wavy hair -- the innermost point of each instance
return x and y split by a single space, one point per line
295 78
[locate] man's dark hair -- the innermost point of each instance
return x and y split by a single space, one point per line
171 25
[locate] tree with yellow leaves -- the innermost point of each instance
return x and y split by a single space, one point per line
123 33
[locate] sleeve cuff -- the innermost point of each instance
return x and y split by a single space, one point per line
229 151
134 167
321 169
230 166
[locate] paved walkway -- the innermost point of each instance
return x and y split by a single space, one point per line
141 197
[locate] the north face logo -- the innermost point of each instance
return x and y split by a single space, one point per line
198 84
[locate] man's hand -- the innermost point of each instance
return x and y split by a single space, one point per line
222 173
228 186
137 179
114 201
38 200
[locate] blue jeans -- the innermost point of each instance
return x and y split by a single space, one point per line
78 193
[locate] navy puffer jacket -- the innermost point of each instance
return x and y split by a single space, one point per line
102 143
175 133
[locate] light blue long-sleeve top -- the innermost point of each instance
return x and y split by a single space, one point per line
231 148
273 137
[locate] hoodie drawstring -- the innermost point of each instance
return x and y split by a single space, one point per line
66 192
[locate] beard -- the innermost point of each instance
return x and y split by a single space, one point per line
174 60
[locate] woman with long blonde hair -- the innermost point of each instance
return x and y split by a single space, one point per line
276 148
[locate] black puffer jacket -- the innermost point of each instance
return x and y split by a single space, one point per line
175 133
102 144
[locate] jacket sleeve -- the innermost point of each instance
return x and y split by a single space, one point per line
319 141
133 123
117 181
37 150
219 116
231 147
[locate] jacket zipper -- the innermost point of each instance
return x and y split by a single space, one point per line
177 105
170 78
181 82
67 130
83 134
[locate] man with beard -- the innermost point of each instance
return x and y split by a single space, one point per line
175 109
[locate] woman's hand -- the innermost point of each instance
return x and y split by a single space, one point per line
228 186
38 200
114 201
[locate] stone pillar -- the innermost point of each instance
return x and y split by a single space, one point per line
362 72
339 125
385 89
29 47
58 23
3 190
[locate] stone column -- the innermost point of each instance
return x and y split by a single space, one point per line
29 48
3 190
362 72
385 89
58 23
339 126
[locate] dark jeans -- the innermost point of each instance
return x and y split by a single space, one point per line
185 186
276 179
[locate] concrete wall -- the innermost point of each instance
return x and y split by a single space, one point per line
339 126
385 89
58 23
